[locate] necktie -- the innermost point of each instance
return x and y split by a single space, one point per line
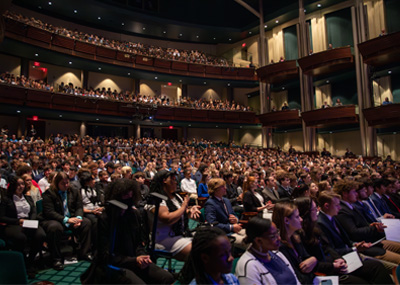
391 201
226 209
65 204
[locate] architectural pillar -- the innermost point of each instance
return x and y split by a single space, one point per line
137 131
184 90
85 79
264 137
82 129
21 130
368 134
25 67
306 82
185 131
229 134
229 94
136 89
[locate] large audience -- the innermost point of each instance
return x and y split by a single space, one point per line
123 96
190 56
288 217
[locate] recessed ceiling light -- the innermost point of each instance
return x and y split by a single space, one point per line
60 116
283 88
123 24
99 68
389 72
156 78
70 62
98 18
36 54
180 80
277 21
130 122
327 81
97 119
319 5
216 126
215 38
230 39
75 11
164 32
129 73
40 7
18 111
305 10
180 35
229 84
241 126
190 125
265 26
205 82
50 3
250 33
197 36
144 28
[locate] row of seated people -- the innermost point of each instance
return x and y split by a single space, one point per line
124 96
308 242
190 56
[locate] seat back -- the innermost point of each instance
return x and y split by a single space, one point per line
12 268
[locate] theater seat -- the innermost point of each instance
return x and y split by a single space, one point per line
12 268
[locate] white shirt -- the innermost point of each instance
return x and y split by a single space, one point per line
44 184
22 206
189 185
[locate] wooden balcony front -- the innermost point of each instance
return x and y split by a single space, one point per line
381 51
44 39
278 72
383 116
327 62
334 116
280 119
193 115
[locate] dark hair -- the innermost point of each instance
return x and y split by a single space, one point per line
299 191
310 233
377 183
202 243
256 227
12 187
85 177
57 179
120 187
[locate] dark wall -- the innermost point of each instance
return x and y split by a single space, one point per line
290 40
392 10
339 28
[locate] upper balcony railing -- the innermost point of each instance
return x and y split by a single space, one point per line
49 40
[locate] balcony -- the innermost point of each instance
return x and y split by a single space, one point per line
383 116
44 39
381 51
327 62
278 72
280 119
334 116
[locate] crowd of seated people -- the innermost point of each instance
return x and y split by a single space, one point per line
312 232
190 56
123 96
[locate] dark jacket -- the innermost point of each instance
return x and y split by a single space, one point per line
250 202
356 226
214 211
53 207
8 211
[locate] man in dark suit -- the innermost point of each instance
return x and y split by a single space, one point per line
356 225
284 189
269 192
335 236
232 194
219 209
378 198
63 210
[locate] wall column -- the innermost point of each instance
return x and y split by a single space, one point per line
306 82
82 129
136 89
25 67
184 90
85 79
368 134
21 126
229 134
185 132
137 131
264 137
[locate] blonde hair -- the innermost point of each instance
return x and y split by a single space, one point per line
214 184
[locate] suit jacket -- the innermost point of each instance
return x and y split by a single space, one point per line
215 211
284 193
250 202
53 206
393 207
380 204
356 226
270 195
232 194
8 211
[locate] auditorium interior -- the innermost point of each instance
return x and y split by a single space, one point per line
284 61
